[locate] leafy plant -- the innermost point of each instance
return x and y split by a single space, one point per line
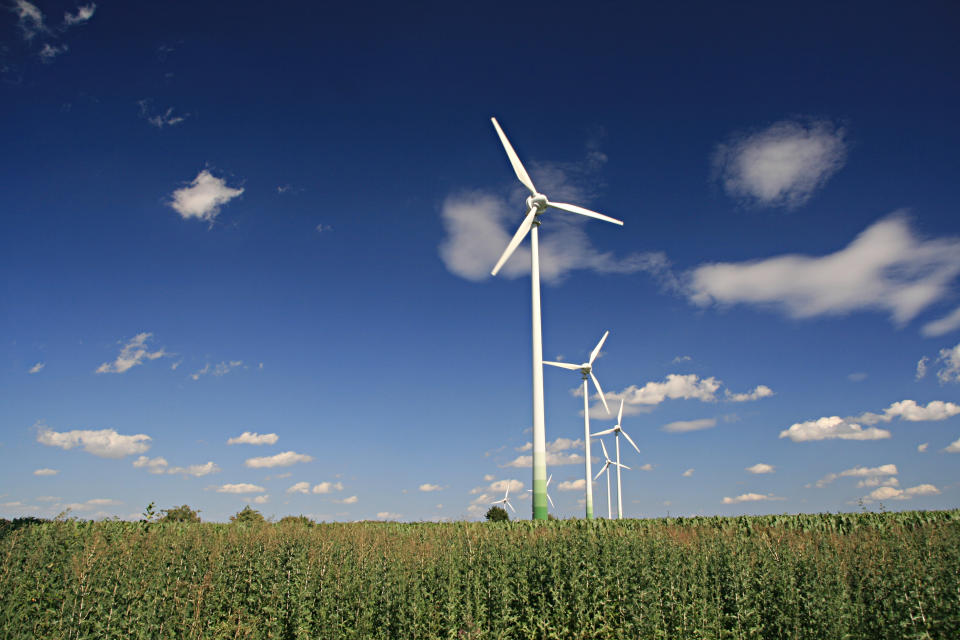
247 515
183 513
497 514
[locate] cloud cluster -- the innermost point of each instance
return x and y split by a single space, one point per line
159 465
892 493
243 487
910 411
761 391
285 459
204 197
32 23
572 485
782 165
218 370
750 497
682 426
835 427
946 324
105 443
251 437
885 268
761 467
132 354
860 472
159 119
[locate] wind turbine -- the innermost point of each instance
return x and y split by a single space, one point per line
586 370
606 467
537 203
618 430
549 499
505 499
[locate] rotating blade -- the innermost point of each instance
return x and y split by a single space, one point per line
514 160
620 413
596 383
572 208
602 433
511 506
563 365
600 473
604 447
630 440
516 240
596 349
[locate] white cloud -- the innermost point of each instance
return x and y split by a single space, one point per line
84 13
132 354
910 411
885 268
922 448
556 446
327 487
388 515
750 497
832 427
859 472
48 52
687 473
760 467
953 447
160 465
37 368
682 426
878 481
553 459
951 365
29 18
158 119
285 459
761 391
204 197
426 486
646 467
93 503
45 472
675 387
252 437
218 370
350 500
859 376
489 477
497 486
479 226
922 367
946 324
300 487
782 165
261 499
892 493
680 359
242 487
572 485
106 443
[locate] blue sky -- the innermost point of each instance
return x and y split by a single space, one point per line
280 221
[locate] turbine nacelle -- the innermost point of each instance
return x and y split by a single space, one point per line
539 202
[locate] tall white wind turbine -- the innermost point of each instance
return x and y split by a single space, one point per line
606 467
547 490
586 371
617 429
537 203
505 499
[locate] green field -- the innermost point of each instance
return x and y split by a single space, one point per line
864 575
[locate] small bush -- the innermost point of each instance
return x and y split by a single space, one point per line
497 514
247 515
183 513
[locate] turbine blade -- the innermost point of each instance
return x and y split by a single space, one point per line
572 208
596 349
563 365
602 433
516 240
601 472
630 440
622 466
604 447
511 506
549 479
596 383
514 160
620 413
551 501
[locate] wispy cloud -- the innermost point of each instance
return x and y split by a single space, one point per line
859 472
761 391
251 437
300 487
572 485
132 354
160 119
30 19
37 368
426 486
761 467
45 472
83 14
942 326
953 447
204 197
217 370
159 465
682 426
553 459
388 515
950 359
751 497
48 52
782 165
285 459
885 268
688 473
892 493
350 500
242 487
105 443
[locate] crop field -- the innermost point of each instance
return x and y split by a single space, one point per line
864 575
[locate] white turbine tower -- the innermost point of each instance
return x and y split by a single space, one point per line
547 491
618 430
505 499
586 371
537 203
606 467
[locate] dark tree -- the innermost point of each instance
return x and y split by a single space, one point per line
497 514
183 513
247 515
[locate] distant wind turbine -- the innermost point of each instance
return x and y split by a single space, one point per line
505 499
618 430
586 371
537 203
606 467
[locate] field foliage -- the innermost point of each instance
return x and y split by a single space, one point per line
893 575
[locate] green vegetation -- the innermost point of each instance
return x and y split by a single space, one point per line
497 514
183 513
864 575
247 515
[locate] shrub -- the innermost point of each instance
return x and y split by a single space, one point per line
300 520
247 515
497 514
183 513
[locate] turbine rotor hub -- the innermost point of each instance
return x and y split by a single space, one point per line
537 201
